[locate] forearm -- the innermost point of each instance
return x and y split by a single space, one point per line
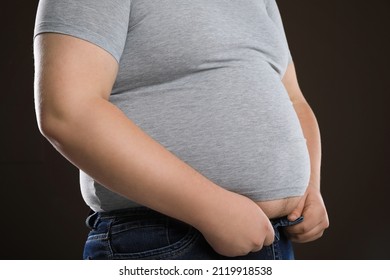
311 132
99 139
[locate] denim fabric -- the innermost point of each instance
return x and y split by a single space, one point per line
141 233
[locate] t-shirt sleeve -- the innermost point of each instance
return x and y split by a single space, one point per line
274 14
101 22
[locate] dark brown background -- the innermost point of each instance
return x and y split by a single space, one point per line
341 51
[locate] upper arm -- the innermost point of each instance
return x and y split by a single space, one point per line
77 47
290 82
67 71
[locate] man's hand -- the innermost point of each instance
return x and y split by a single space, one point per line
236 226
315 221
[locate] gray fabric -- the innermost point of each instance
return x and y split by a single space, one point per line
203 78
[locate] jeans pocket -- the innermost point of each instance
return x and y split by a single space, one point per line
149 238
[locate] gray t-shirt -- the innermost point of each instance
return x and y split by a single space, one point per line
203 78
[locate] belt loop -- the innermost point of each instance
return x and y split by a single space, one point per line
92 219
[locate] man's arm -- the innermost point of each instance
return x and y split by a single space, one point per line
311 206
73 81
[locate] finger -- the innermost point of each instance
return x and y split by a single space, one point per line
308 235
312 220
307 225
297 212
268 240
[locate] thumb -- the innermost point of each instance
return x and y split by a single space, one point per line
297 212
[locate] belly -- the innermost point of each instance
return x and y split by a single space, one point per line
235 125
279 207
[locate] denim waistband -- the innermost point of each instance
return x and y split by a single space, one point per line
144 212
136 212
283 222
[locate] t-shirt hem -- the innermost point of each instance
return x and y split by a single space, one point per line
276 194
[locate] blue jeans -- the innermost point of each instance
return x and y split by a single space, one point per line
141 233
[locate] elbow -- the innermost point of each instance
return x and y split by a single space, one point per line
54 116
49 127
45 127
61 122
